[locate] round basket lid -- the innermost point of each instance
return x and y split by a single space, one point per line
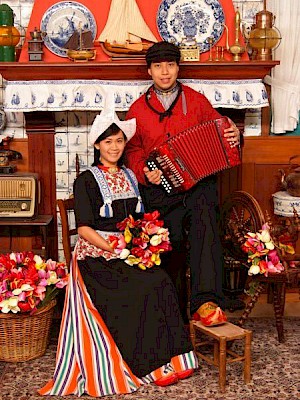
283 196
284 204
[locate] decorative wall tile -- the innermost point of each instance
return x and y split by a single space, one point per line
25 13
17 133
15 119
77 121
91 115
82 160
90 157
61 162
61 142
250 9
71 178
77 142
62 181
252 122
61 121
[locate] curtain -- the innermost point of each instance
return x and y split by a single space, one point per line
285 78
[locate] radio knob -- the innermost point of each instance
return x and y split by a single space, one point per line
23 206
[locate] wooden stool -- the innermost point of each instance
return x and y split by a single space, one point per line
220 335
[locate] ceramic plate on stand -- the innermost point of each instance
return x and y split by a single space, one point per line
61 20
195 19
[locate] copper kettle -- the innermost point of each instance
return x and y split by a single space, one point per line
291 182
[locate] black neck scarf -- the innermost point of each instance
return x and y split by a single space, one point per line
168 112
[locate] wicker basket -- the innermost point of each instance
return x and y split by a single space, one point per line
24 337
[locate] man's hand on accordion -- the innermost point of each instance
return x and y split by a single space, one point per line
232 134
153 176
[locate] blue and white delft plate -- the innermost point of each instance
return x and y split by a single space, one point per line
61 20
197 19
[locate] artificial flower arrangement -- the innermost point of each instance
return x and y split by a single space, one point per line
28 282
262 253
142 240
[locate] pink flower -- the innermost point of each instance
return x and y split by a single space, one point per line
51 265
62 283
120 245
150 228
273 256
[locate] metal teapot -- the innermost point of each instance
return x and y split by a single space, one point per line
291 182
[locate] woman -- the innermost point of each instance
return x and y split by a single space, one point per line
121 326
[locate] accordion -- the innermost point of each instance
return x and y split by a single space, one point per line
193 154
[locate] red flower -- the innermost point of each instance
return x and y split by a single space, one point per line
151 216
138 252
129 221
138 241
25 307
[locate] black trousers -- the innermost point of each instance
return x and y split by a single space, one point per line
192 220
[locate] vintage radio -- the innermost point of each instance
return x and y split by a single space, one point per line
19 195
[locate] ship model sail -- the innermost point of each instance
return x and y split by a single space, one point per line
80 46
126 33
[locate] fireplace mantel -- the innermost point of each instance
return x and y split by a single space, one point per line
131 70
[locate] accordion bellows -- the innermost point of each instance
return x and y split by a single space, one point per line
194 154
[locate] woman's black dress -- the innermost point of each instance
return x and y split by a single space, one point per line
139 307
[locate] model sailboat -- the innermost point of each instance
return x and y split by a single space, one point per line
126 33
80 46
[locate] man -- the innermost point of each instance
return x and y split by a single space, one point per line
166 109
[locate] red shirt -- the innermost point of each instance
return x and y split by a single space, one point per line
151 133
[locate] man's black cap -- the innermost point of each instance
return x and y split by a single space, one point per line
163 51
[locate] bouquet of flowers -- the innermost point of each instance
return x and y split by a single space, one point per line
262 254
28 282
142 240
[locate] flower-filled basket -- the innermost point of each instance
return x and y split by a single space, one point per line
28 287
23 336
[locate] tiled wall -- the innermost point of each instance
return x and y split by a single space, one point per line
72 127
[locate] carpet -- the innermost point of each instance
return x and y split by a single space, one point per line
275 372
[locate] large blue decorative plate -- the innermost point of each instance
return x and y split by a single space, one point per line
61 20
202 20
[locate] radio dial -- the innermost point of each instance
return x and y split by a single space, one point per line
24 206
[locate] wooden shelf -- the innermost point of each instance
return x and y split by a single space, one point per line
131 70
